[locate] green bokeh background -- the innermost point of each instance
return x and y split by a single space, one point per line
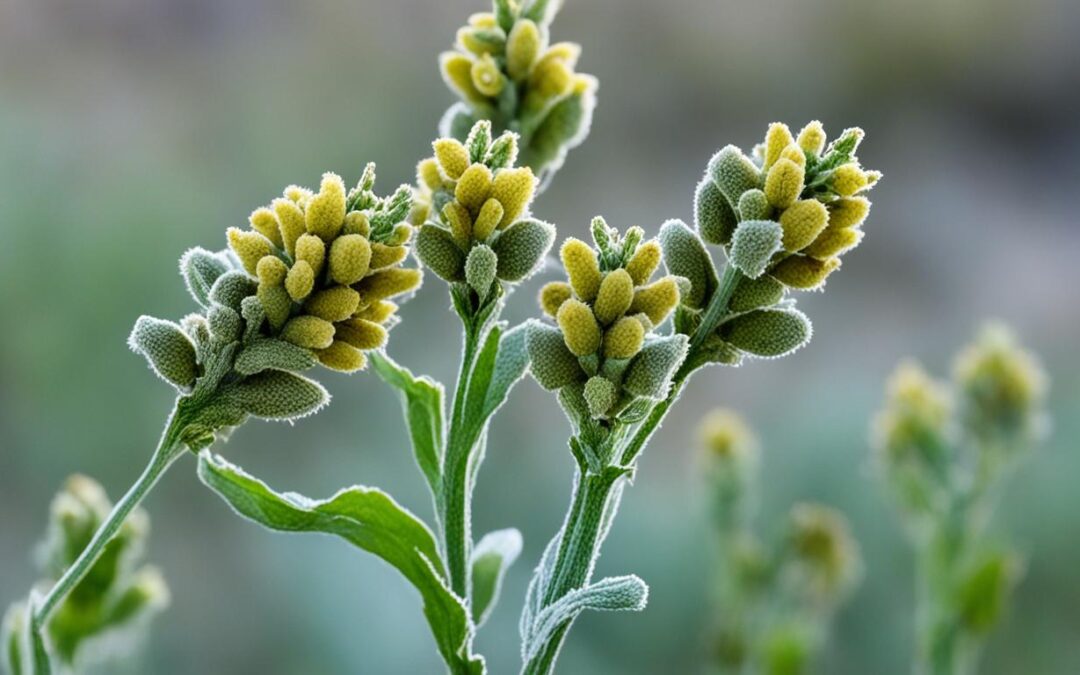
132 129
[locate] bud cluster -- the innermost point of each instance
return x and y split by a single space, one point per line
115 599
601 354
505 70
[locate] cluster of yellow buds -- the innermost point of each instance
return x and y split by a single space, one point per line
602 352
327 264
476 204
116 598
505 71
792 210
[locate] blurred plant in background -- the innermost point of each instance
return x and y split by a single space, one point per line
945 450
106 614
774 603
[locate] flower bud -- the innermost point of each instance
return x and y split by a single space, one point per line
456 70
437 251
553 295
754 206
727 437
756 293
753 245
614 297
452 156
383 256
582 268
361 334
386 284
521 247
848 212
336 303
487 221
310 332
513 188
600 395
777 139
350 256
713 215
803 221
783 183
300 280
324 215
834 242
480 269
656 300
312 250
474 187
803 272
553 365
767 333
167 349
249 247
291 220
812 138
624 339
685 256
579 327
522 47
650 373
644 262
264 222
849 179
342 356
486 76
733 173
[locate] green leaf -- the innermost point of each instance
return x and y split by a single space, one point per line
231 288
167 349
510 367
422 401
277 395
269 354
200 269
613 594
767 333
753 245
371 520
492 556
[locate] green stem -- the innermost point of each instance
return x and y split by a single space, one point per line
168 450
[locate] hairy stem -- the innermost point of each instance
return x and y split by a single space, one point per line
168 450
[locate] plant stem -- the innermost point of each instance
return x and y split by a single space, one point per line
168 450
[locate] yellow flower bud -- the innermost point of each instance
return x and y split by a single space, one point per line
297 195
486 76
356 222
474 187
250 247
832 242
336 303
325 213
783 183
644 262
457 72
624 339
777 139
848 212
385 256
567 52
513 188
300 280
656 300
276 303
803 221
553 295
265 223
849 179
482 20
550 78
522 47
457 216
452 156
350 256
480 41
311 250
400 235
342 356
378 311
309 332
291 220
812 138
579 328
795 154
427 174
271 270
582 268
614 297
491 214
803 272
387 283
361 333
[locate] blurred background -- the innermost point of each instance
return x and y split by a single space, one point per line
133 129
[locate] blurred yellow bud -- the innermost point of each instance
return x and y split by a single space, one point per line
336 303
567 52
457 72
265 223
614 297
802 272
917 411
582 268
522 47
474 187
350 256
624 339
309 332
553 295
833 242
385 256
378 311
483 20
427 174
579 328
311 250
656 300
849 179
644 262
825 550
325 212
488 219
848 212
550 78
726 435
457 216
777 139
486 76
400 235
481 41
803 221
386 284
361 333
513 188
271 270
452 156
795 154
291 220
783 183
300 280
249 247
342 356
812 138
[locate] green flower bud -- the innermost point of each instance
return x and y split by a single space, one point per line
803 221
685 256
754 206
457 217
650 373
600 395
277 395
767 333
552 364
753 245
614 297
437 251
756 293
784 183
579 327
733 173
225 324
713 215
521 247
276 303
826 554
231 288
909 430
169 352
582 268
803 272
480 269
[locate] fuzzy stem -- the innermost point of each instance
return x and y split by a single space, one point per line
168 450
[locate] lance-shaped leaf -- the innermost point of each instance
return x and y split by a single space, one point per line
277 395
200 269
422 401
371 520
491 558
167 349
613 594
269 354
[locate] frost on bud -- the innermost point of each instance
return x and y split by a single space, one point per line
812 138
656 300
582 268
480 269
264 222
802 222
200 269
521 247
644 262
753 245
312 250
523 45
487 220
754 206
503 152
552 364
579 327
167 349
457 73
249 247
362 334
386 284
624 339
767 333
650 373
231 288
350 256
614 297
336 303
553 295
225 324
848 212
825 555
300 280
756 293
310 332
291 220
803 272
324 214
342 357
777 139
784 183
713 215
733 173
460 222
849 179
437 251
834 242
685 256
474 187
600 395
513 188
452 156
277 395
